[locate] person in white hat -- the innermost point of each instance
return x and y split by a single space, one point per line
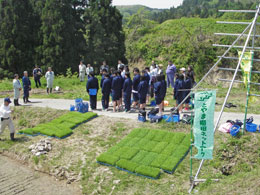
49 77
183 72
5 116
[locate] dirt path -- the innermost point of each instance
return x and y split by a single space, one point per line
18 179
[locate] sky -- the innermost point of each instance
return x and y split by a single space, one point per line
149 3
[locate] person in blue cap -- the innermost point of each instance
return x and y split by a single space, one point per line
106 90
26 87
5 116
127 89
92 89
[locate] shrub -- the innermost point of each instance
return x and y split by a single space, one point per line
148 171
126 164
108 159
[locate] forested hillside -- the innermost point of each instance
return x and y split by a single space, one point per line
58 34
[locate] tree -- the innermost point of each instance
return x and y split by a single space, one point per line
104 34
16 42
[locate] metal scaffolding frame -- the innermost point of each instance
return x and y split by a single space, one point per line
252 26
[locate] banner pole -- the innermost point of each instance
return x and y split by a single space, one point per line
248 93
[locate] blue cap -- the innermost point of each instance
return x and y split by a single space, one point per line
7 100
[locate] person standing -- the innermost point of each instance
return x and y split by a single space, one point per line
82 71
120 65
127 90
116 91
159 96
191 75
142 91
104 66
89 70
92 89
49 77
17 88
136 81
170 72
153 65
37 72
106 90
5 116
160 69
26 87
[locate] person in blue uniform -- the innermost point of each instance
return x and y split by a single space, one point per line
187 85
178 94
159 95
142 91
127 89
104 72
106 90
26 87
92 89
136 81
164 88
116 91
122 80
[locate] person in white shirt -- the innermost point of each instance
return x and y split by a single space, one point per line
120 64
153 65
89 70
82 71
5 116
17 88
49 77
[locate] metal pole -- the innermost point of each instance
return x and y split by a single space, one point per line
248 94
236 46
212 68
238 11
234 34
235 58
231 85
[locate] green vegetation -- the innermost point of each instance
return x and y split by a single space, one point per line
140 153
60 127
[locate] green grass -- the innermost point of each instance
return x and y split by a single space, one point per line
60 127
147 151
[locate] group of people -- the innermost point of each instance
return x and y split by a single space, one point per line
136 92
26 84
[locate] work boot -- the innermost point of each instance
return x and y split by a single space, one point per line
12 136
24 100
47 90
17 101
50 90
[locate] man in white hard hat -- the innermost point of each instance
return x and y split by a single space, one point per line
5 116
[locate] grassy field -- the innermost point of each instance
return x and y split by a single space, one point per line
236 160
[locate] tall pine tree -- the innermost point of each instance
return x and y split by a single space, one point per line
16 42
104 34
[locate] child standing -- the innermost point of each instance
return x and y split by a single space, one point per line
178 94
164 89
142 91
187 87
92 89
106 90
127 89
136 81
116 91
158 90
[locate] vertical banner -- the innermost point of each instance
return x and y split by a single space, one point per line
204 124
246 64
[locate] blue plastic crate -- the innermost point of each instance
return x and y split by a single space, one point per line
141 118
251 127
72 108
153 103
234 130
173 118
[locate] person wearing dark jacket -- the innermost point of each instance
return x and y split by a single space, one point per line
178 94
106 90
187 85
127 90
159 93
136 81
142 91
164 88
26 87
92 89
104 72
116 90
122 80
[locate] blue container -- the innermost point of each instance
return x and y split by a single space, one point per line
251 127
141 118
72 108
234 130
153 103
173 118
